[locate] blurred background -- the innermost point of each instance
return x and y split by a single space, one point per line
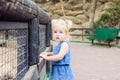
84 13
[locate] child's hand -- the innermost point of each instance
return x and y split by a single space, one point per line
43 55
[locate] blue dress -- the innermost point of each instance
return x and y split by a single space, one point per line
61 70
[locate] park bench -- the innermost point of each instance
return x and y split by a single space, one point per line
104 34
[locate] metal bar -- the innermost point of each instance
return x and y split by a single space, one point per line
80 35
82 29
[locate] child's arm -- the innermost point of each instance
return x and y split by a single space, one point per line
49 53
60 55
46 54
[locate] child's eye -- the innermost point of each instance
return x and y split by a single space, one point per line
61 32
55 31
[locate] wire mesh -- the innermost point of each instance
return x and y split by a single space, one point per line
13 54
42 38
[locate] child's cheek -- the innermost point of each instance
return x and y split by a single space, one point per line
62 35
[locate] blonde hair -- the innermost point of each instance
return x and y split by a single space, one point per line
65 24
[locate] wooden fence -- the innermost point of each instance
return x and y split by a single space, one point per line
25 31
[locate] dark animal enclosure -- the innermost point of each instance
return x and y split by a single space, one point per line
25 32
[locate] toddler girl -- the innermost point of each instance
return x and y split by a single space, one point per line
60 56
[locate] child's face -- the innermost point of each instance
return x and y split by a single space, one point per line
59 34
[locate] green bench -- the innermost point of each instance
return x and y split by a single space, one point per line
104 34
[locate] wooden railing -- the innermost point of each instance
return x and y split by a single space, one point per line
85 32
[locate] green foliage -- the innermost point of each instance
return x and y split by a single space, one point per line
102 22
111 18
87 32
97 23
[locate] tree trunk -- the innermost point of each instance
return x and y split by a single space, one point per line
92 15
84 2
62 6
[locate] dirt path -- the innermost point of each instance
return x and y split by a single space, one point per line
93 62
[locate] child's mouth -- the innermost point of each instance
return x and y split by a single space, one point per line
57 37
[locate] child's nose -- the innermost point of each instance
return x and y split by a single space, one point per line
57 33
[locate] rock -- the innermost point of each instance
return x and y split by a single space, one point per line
83 18
55 16
87 6
77 21
58 12
74 13
68 6
103 1
78 7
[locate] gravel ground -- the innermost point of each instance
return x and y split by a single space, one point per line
95 62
